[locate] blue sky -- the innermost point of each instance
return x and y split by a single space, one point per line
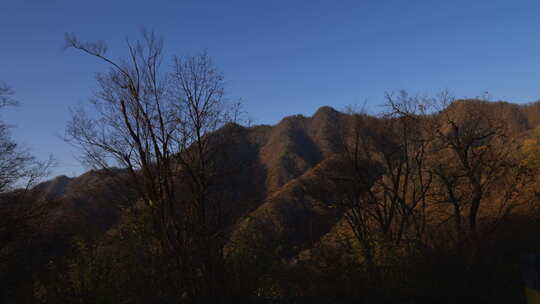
279 57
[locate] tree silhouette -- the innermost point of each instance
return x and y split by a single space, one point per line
162 126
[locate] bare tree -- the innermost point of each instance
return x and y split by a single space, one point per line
482 161
13 160
163 127
19 209
6 95
18 168
472 160
380 180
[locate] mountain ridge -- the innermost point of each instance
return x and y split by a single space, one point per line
273 163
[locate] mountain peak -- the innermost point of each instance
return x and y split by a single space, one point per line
325 111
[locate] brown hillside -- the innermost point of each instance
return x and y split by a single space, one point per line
268 167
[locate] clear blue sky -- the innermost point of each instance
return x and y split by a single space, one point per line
280 57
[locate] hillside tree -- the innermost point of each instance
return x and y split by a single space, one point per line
380 180
474 162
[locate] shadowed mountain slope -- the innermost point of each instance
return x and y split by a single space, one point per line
266 168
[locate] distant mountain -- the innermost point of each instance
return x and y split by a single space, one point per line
271 165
